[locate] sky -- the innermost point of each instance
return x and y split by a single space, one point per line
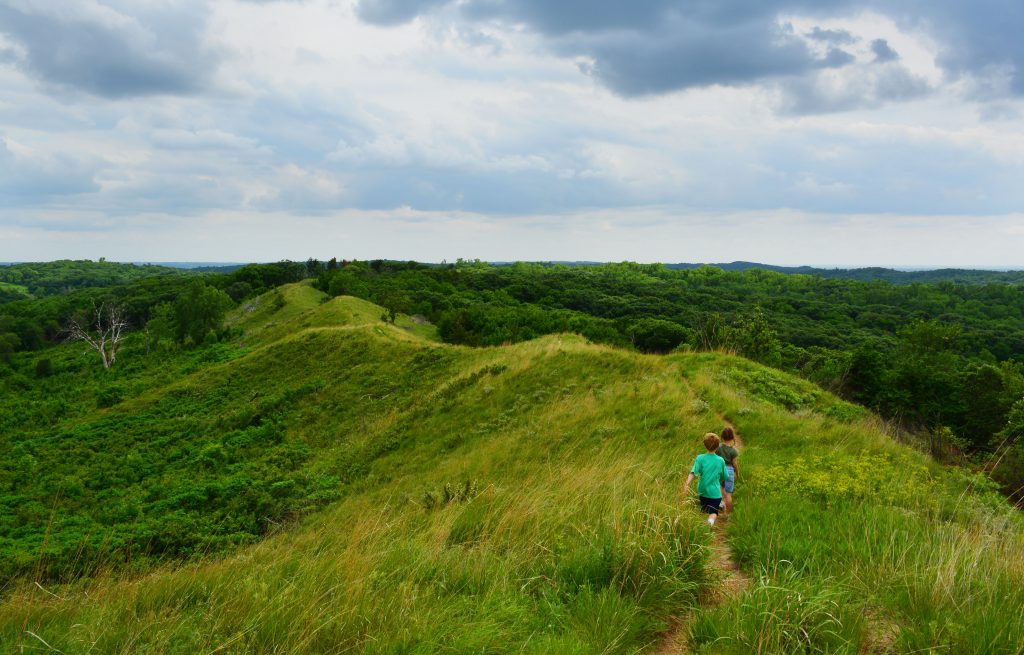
818 132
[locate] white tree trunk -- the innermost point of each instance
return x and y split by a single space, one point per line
105 333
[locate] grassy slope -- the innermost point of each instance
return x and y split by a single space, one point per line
526 499
858 541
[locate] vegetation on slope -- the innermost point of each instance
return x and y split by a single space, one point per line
944 361
431 448
182 462
523 498
857 543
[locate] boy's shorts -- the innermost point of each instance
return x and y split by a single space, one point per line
710 505
730 478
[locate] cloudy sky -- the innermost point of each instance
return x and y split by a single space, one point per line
824 132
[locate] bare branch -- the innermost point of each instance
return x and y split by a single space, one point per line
105 335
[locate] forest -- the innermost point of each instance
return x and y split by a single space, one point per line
34 280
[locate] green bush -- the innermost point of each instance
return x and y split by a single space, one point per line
109 396
44 367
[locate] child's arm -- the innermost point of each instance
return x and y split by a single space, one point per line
689 480
736 465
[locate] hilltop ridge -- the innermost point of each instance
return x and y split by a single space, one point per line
363 488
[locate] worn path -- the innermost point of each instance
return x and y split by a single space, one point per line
733 583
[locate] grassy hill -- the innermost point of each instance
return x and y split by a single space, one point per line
333 483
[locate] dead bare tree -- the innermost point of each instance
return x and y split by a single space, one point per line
104 334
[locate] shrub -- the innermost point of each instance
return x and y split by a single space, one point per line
44 368
655 335
109 396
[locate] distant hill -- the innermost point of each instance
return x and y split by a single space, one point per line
956 275
867 274
203 267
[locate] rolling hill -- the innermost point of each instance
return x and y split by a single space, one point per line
331 483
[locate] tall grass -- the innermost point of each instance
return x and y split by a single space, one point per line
570 541
527 499
858 542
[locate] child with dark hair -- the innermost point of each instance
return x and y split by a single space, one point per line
730 454
710 469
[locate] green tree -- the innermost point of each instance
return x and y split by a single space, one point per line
654 335
1014 429
983 407
756 338
923 377
9 343
198 310
713 333
161 327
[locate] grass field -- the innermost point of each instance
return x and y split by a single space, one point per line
527 499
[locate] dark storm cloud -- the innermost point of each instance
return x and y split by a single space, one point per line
883 52
657 46
117 49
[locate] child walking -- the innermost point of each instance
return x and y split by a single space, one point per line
710 469
730 454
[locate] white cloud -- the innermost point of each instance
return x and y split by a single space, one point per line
446 137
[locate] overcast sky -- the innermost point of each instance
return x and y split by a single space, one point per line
823 132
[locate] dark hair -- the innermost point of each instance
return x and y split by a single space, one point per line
711 441
728 434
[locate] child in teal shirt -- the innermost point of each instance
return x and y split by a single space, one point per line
710 469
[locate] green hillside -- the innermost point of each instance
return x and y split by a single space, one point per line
329 483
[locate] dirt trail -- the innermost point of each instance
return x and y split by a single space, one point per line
880 636
733 583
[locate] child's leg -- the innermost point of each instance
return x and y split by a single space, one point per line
710 507
727 487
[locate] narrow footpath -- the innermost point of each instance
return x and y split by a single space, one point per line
732 584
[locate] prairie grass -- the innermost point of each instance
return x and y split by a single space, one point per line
856 541
527 499
567 538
